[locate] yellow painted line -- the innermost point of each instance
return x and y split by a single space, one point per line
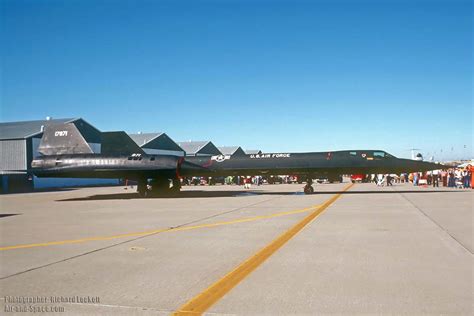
204 300
156 231
77 241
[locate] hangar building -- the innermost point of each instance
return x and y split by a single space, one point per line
232 150
19 143
199 148
157 144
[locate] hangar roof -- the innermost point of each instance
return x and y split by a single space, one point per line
26 129
231 150
143 138
157 140
199 147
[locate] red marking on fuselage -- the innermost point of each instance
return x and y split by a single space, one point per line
207 164
178 166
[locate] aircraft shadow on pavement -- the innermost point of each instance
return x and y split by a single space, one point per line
134 195
7 215
237 193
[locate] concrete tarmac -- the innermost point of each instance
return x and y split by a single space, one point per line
104 251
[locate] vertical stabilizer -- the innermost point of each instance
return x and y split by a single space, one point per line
62 139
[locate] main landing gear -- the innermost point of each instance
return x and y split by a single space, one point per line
308 188
158 187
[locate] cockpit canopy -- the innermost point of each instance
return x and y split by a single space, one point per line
382 154
375 154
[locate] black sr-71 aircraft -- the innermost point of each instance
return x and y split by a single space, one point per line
65 153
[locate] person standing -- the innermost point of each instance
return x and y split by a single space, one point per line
466 178
471 170
450 178
429 177
435 178
444 177
458 178
380 179
247 182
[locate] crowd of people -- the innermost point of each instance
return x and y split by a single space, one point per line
451 178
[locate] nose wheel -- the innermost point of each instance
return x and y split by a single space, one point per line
308 188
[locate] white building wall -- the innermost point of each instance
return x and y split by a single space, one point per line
13 155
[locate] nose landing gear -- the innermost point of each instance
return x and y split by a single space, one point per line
308 188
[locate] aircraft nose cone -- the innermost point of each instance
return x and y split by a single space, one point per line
409 165
427 166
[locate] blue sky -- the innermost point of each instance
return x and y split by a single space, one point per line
273 75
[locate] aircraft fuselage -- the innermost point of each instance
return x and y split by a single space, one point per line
316 163
139 166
